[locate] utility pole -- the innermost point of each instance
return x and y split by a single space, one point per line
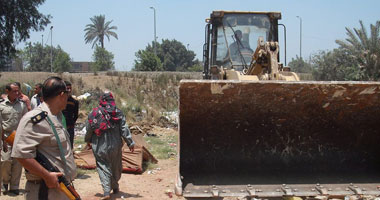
300 36
42 41
51 49
155 37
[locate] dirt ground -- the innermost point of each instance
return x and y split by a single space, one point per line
157 183
146 186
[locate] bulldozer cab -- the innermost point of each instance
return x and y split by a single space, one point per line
232 37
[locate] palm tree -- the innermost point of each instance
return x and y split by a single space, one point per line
364 49
96 31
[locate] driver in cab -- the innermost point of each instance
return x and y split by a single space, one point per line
238 45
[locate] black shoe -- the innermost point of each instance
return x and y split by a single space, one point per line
115 191
15 192
4 188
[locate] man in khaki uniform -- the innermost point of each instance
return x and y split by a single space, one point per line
23 97
1 149
11 111
34 133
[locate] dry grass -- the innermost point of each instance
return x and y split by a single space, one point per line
141 95
26 77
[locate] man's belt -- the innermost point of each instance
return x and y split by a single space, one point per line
34 181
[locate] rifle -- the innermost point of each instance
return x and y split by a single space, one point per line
64 185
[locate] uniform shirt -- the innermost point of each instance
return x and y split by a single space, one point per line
1 130
35 101
32 137
10 114
71 111
26 99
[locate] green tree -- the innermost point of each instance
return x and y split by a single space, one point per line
35 57
62 62
18 62
197 67
335 65
365 49
17 18
5 62
173 55
300 66
99 28
147 61
103 60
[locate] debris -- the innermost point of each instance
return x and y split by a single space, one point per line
171 154
172 144
169 192
151 134
81 132
123 103
136 127
83 96
171 116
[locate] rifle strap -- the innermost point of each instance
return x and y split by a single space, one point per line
59 144
43 192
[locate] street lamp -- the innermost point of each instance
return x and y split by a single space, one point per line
51 49
155 38
300 35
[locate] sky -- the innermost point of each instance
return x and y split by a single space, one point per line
323 21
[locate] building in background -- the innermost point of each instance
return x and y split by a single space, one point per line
81 67
16 65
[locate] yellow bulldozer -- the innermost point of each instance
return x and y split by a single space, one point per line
251 129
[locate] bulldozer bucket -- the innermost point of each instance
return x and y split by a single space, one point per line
278 139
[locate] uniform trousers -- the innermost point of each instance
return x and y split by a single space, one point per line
11 169
32 189
1 166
